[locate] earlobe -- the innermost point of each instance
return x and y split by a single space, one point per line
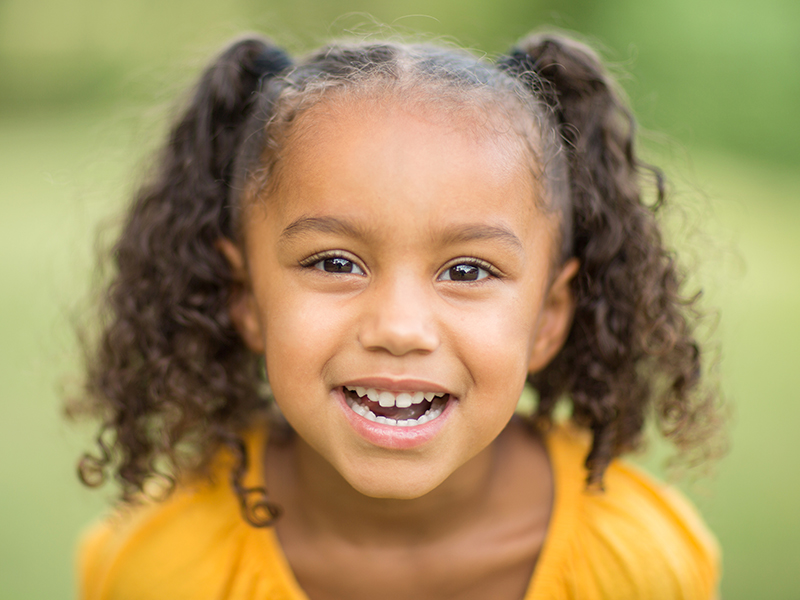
242 307
556 318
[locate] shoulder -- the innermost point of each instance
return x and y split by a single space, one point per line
637 538
194 544
136 550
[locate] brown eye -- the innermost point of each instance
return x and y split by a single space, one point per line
338 264
464 272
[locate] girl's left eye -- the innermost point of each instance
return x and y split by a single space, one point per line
464 272
338 264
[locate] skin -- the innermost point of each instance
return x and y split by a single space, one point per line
404 197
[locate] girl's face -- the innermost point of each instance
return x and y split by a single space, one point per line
399 281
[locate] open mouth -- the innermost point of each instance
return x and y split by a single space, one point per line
404 409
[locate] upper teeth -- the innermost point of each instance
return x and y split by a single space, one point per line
401 400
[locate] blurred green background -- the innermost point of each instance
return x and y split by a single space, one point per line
87 85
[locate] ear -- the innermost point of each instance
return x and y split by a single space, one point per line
242 307
555 319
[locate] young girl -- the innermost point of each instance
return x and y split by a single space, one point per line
396 238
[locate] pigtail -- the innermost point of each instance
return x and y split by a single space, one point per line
169 362
631 347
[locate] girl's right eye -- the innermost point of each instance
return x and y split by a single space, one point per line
337 264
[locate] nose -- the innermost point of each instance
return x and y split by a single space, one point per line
399 319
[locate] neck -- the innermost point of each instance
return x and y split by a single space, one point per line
323 502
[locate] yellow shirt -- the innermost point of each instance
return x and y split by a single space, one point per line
638 539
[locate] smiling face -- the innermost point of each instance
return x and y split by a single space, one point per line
399 281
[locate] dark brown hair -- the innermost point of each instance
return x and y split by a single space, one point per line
169 378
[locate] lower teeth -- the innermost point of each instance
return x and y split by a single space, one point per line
434 411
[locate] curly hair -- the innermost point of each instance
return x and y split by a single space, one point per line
169 378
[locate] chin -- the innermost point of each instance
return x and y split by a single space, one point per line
393 484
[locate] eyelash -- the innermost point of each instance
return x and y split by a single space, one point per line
312 261
491 272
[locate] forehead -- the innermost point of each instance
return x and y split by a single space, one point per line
406 144
406 177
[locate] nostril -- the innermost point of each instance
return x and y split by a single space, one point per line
399 341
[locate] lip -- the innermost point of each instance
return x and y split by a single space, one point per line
389 436
396 386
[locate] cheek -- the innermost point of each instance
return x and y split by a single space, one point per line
288 325
302 334
501 349
500 333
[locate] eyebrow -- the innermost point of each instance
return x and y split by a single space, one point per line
304 225
454 235
480 231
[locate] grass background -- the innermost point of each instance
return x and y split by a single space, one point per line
83 86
